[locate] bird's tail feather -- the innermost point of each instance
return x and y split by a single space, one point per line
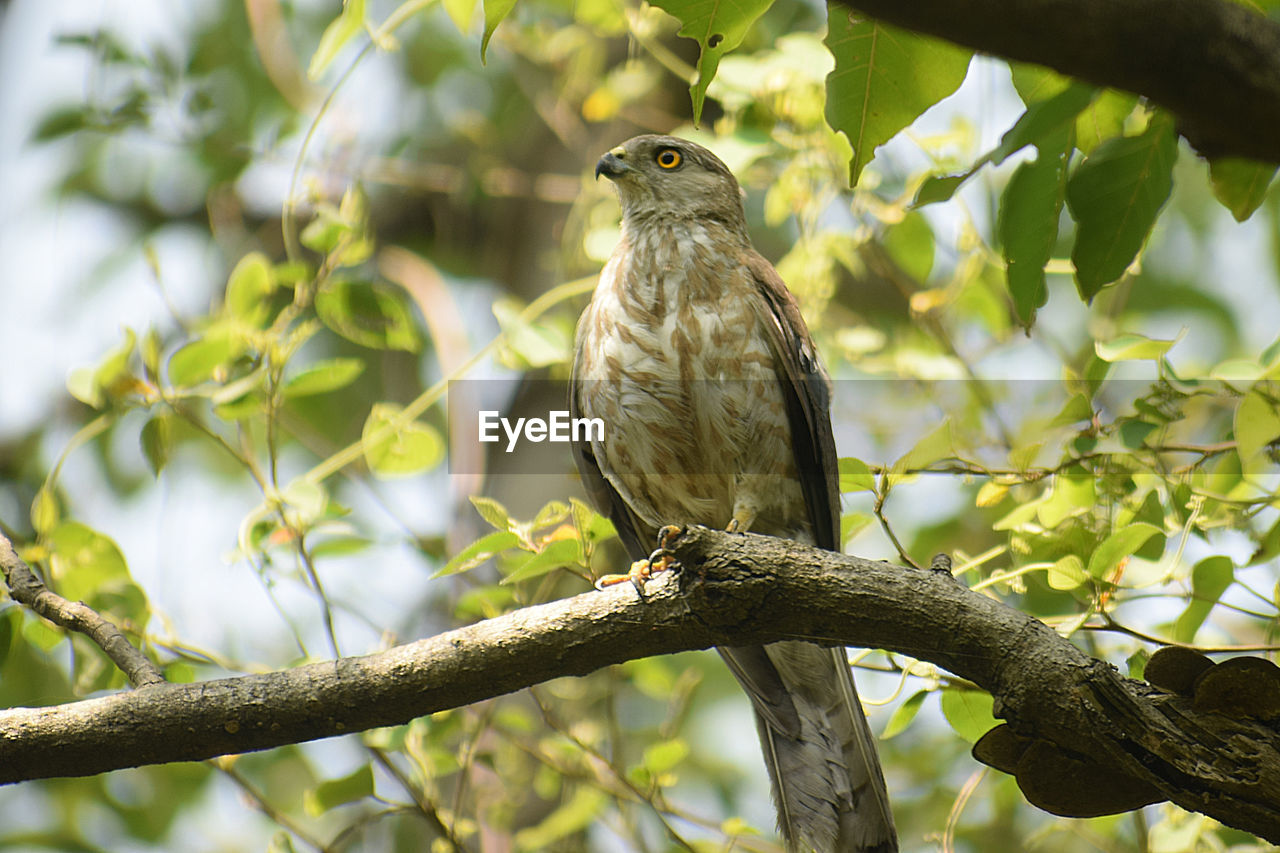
820 752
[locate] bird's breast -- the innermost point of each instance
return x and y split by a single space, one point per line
672 357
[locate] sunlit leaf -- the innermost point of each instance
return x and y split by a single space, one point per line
395 448
968 712
904 714
370 314
495 12
718 28
323 376
563 552
855 476
491 511
884 79
248 288
1067 573
340 31
478 552
1120 544
1131 348
157 441
665 755
1240 185
200 359
1257 424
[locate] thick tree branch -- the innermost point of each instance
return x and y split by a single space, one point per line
28 589
1215 64
731 590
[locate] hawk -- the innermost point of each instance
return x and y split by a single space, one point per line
716 406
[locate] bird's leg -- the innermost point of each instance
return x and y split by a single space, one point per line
641 570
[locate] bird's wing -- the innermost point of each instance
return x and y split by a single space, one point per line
807 392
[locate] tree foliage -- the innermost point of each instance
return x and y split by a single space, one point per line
1052 327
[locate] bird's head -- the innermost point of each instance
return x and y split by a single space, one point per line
671 177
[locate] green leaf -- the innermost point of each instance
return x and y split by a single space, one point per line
1209 580
1257 424
395 449
249 287
45 512
340 31
904 714
718 28
853 523
665 756
492 511
334 792
1103 119
969 712
939 188
495 12
88 566
478 552
462 13
855 476
1131 348
323 376
1044 120
561 552
1114 197
884 78
157 439
1120 544
539 344
1067 573
1028 228
581 810
371 315
910 245
200 359
936 445
1072 495
1240 185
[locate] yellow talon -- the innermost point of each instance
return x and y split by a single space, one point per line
641 570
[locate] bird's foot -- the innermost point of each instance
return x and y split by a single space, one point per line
641 570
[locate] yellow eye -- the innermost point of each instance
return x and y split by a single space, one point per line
668 158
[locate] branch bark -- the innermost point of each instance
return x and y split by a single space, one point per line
1215 64
28 589
731 590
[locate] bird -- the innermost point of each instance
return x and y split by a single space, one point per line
716 406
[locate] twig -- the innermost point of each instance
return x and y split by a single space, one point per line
28 589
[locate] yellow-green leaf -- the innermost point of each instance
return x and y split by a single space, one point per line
1120 544
395 447
340 31
968 712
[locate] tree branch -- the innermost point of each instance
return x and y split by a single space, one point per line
731 590
26 588
1215 64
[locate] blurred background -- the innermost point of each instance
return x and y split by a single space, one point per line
173 178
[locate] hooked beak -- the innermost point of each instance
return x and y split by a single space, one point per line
612 165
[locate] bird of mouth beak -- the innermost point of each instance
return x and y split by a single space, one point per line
611 165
